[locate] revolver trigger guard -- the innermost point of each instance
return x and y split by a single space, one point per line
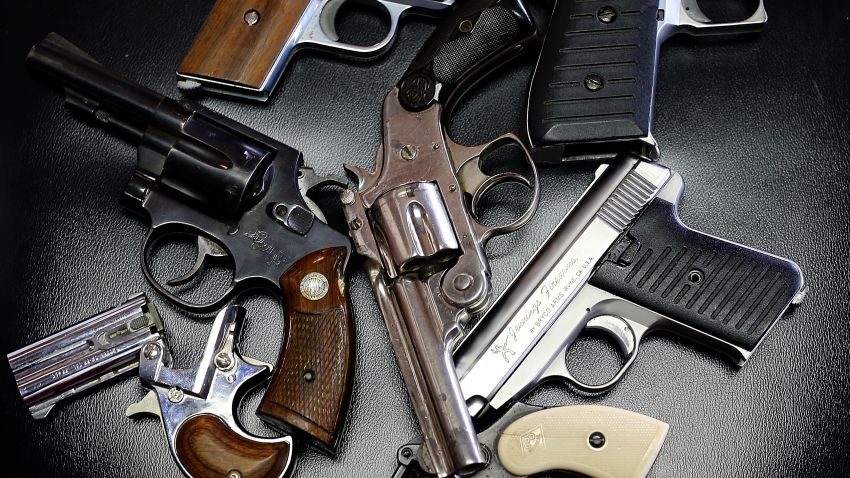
321 31
154 236
627 337
467 162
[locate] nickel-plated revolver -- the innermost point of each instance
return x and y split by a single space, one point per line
244 195
415 218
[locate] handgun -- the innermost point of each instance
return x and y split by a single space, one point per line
622 263
244 195
196 407
592 93
415 219
244 47
85 355
592 440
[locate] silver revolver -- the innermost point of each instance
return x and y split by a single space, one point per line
415 219
243 50
101 348
622 262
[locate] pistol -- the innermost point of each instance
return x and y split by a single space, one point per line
88 354
244 47
592 93
244 195
621 262
415 219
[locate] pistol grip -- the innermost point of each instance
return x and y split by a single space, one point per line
206 447
310 389
560 439
243 46
594 81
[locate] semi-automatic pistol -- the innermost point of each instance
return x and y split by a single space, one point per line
244 47
622 262
593 89
415 219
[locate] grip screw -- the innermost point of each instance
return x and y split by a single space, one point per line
252 17
223 361
308 375
606 14
465 26
594 82
234 474
596 440
175 395
409 152
151 351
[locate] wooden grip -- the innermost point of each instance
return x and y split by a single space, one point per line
231 49
594 440
311 386
207 448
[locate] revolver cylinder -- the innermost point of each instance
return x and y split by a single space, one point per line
415 228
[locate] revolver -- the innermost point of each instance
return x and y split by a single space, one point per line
244 195
244 47
592 92
621 262
415 218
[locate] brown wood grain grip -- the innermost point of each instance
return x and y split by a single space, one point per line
230 49
311 385
208 448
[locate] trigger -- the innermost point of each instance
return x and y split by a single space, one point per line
149 405
618 329
206 248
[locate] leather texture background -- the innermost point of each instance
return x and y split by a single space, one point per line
756 125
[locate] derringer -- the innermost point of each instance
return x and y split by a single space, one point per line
90 353
244 47
196 407
415 218
593 440
245 197
593 88
622 262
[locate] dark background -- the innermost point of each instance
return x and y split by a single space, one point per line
756 125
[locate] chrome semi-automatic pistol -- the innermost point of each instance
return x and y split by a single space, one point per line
623 263
592 93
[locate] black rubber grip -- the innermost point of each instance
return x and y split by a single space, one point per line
595 75
727 290
475 37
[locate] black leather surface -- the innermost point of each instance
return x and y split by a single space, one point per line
756 125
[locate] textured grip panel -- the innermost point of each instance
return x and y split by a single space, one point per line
475 37
311 385
595 76
724 289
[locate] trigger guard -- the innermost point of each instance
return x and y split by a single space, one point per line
151 240
624 336
321 29
493 181
327 19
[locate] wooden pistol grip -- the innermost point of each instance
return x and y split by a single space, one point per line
311 386
207 448
230 49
